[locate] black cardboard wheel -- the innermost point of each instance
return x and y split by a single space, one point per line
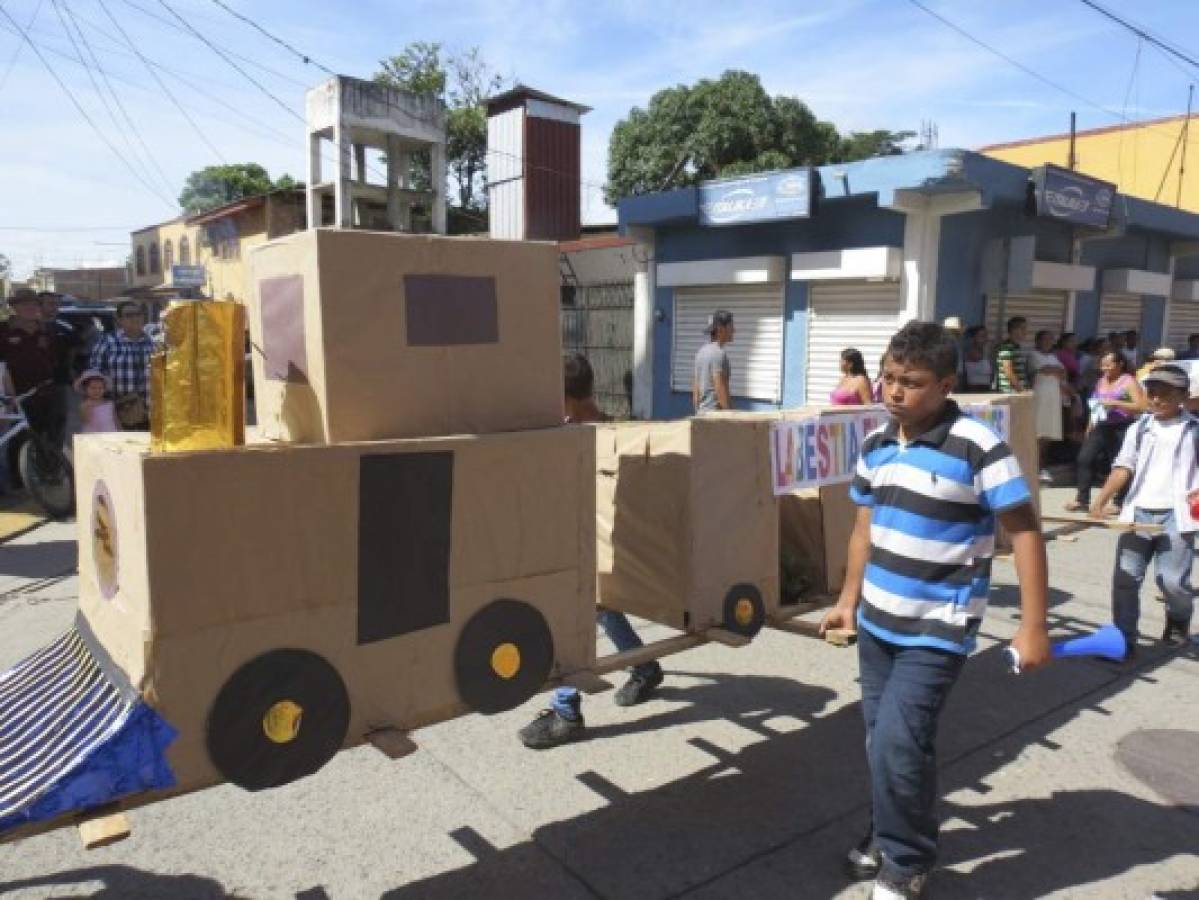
744 611
503 656
281 716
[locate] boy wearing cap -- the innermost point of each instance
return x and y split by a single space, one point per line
713 372
1158 458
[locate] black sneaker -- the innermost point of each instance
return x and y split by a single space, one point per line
891 888
864 861
638 688
551 729
1175 634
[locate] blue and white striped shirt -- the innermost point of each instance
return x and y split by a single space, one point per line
932 528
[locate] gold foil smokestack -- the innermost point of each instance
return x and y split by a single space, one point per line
197 384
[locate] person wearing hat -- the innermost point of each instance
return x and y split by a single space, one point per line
1156 358
713 372
96 412
1157 463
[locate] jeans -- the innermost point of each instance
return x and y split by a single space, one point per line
1104 438
566 700
903 692
1172 554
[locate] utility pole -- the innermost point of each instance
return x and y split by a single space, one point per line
1072 160
1182 160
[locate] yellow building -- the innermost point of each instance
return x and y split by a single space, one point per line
217 239
1142 158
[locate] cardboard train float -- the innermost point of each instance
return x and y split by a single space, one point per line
411 535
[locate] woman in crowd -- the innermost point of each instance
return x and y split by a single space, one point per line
1073 410
1048 388
1117 401
978 367
854 388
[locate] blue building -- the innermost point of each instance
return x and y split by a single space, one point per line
811 261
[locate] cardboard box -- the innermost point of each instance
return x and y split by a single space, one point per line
377 336
373 556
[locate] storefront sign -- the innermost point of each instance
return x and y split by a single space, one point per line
824 450
188 276
1070 197
757 198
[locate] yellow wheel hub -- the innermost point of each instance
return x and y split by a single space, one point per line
505 660
282 722
743 612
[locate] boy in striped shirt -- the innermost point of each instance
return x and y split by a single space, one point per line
929 486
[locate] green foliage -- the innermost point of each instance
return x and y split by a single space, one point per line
215 186
721 128
463 80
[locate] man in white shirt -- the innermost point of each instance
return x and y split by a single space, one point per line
1158 457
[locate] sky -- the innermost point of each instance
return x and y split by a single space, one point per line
70 194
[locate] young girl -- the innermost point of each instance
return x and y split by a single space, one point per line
96 412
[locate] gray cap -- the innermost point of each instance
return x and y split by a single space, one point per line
1171 376
720 317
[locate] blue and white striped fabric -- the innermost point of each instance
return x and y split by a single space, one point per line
68 735
932 532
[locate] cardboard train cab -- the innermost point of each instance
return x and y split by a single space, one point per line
346 587
368 336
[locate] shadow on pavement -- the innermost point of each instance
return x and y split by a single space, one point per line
127 883
45 560
791 803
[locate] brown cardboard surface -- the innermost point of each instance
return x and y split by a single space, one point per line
370 379
247 550
643 511
801 536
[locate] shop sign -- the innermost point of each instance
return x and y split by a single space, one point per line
1070 197
188 276
824 450
756 198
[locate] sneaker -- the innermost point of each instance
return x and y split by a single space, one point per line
864 861
893 888
551 729
1175 634
638 688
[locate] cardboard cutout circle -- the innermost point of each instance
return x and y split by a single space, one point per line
105 545
744 611
256 735
503 656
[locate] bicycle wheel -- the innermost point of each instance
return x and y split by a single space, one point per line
48 476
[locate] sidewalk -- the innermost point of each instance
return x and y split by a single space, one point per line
744 778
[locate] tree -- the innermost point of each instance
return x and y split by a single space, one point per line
215 186
463 80
730 126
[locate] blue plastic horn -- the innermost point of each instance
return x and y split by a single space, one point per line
1108 642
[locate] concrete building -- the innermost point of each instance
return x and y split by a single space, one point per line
812 261
166 256
95 283
347 117
1142 159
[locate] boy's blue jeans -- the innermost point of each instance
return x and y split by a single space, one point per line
620 632
1172 554
903 692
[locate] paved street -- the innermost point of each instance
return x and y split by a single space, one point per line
744 779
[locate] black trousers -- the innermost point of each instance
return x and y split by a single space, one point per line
1102 441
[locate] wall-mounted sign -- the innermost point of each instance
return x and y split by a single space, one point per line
756 198
1070 197
824 450
188 276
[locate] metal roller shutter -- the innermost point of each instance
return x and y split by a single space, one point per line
1119 312
859 314
1044 310
1184 321
756 353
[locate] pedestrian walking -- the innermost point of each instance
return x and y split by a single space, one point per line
711 389
1117 401
124 358
854 388
930 486
1011 373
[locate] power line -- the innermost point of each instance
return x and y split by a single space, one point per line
166 90
12 61
1143 33
83 112
308 60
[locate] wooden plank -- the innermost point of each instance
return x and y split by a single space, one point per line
100 831
587 682
1088 522
841 637
648 653
838 637
391 742
726 637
